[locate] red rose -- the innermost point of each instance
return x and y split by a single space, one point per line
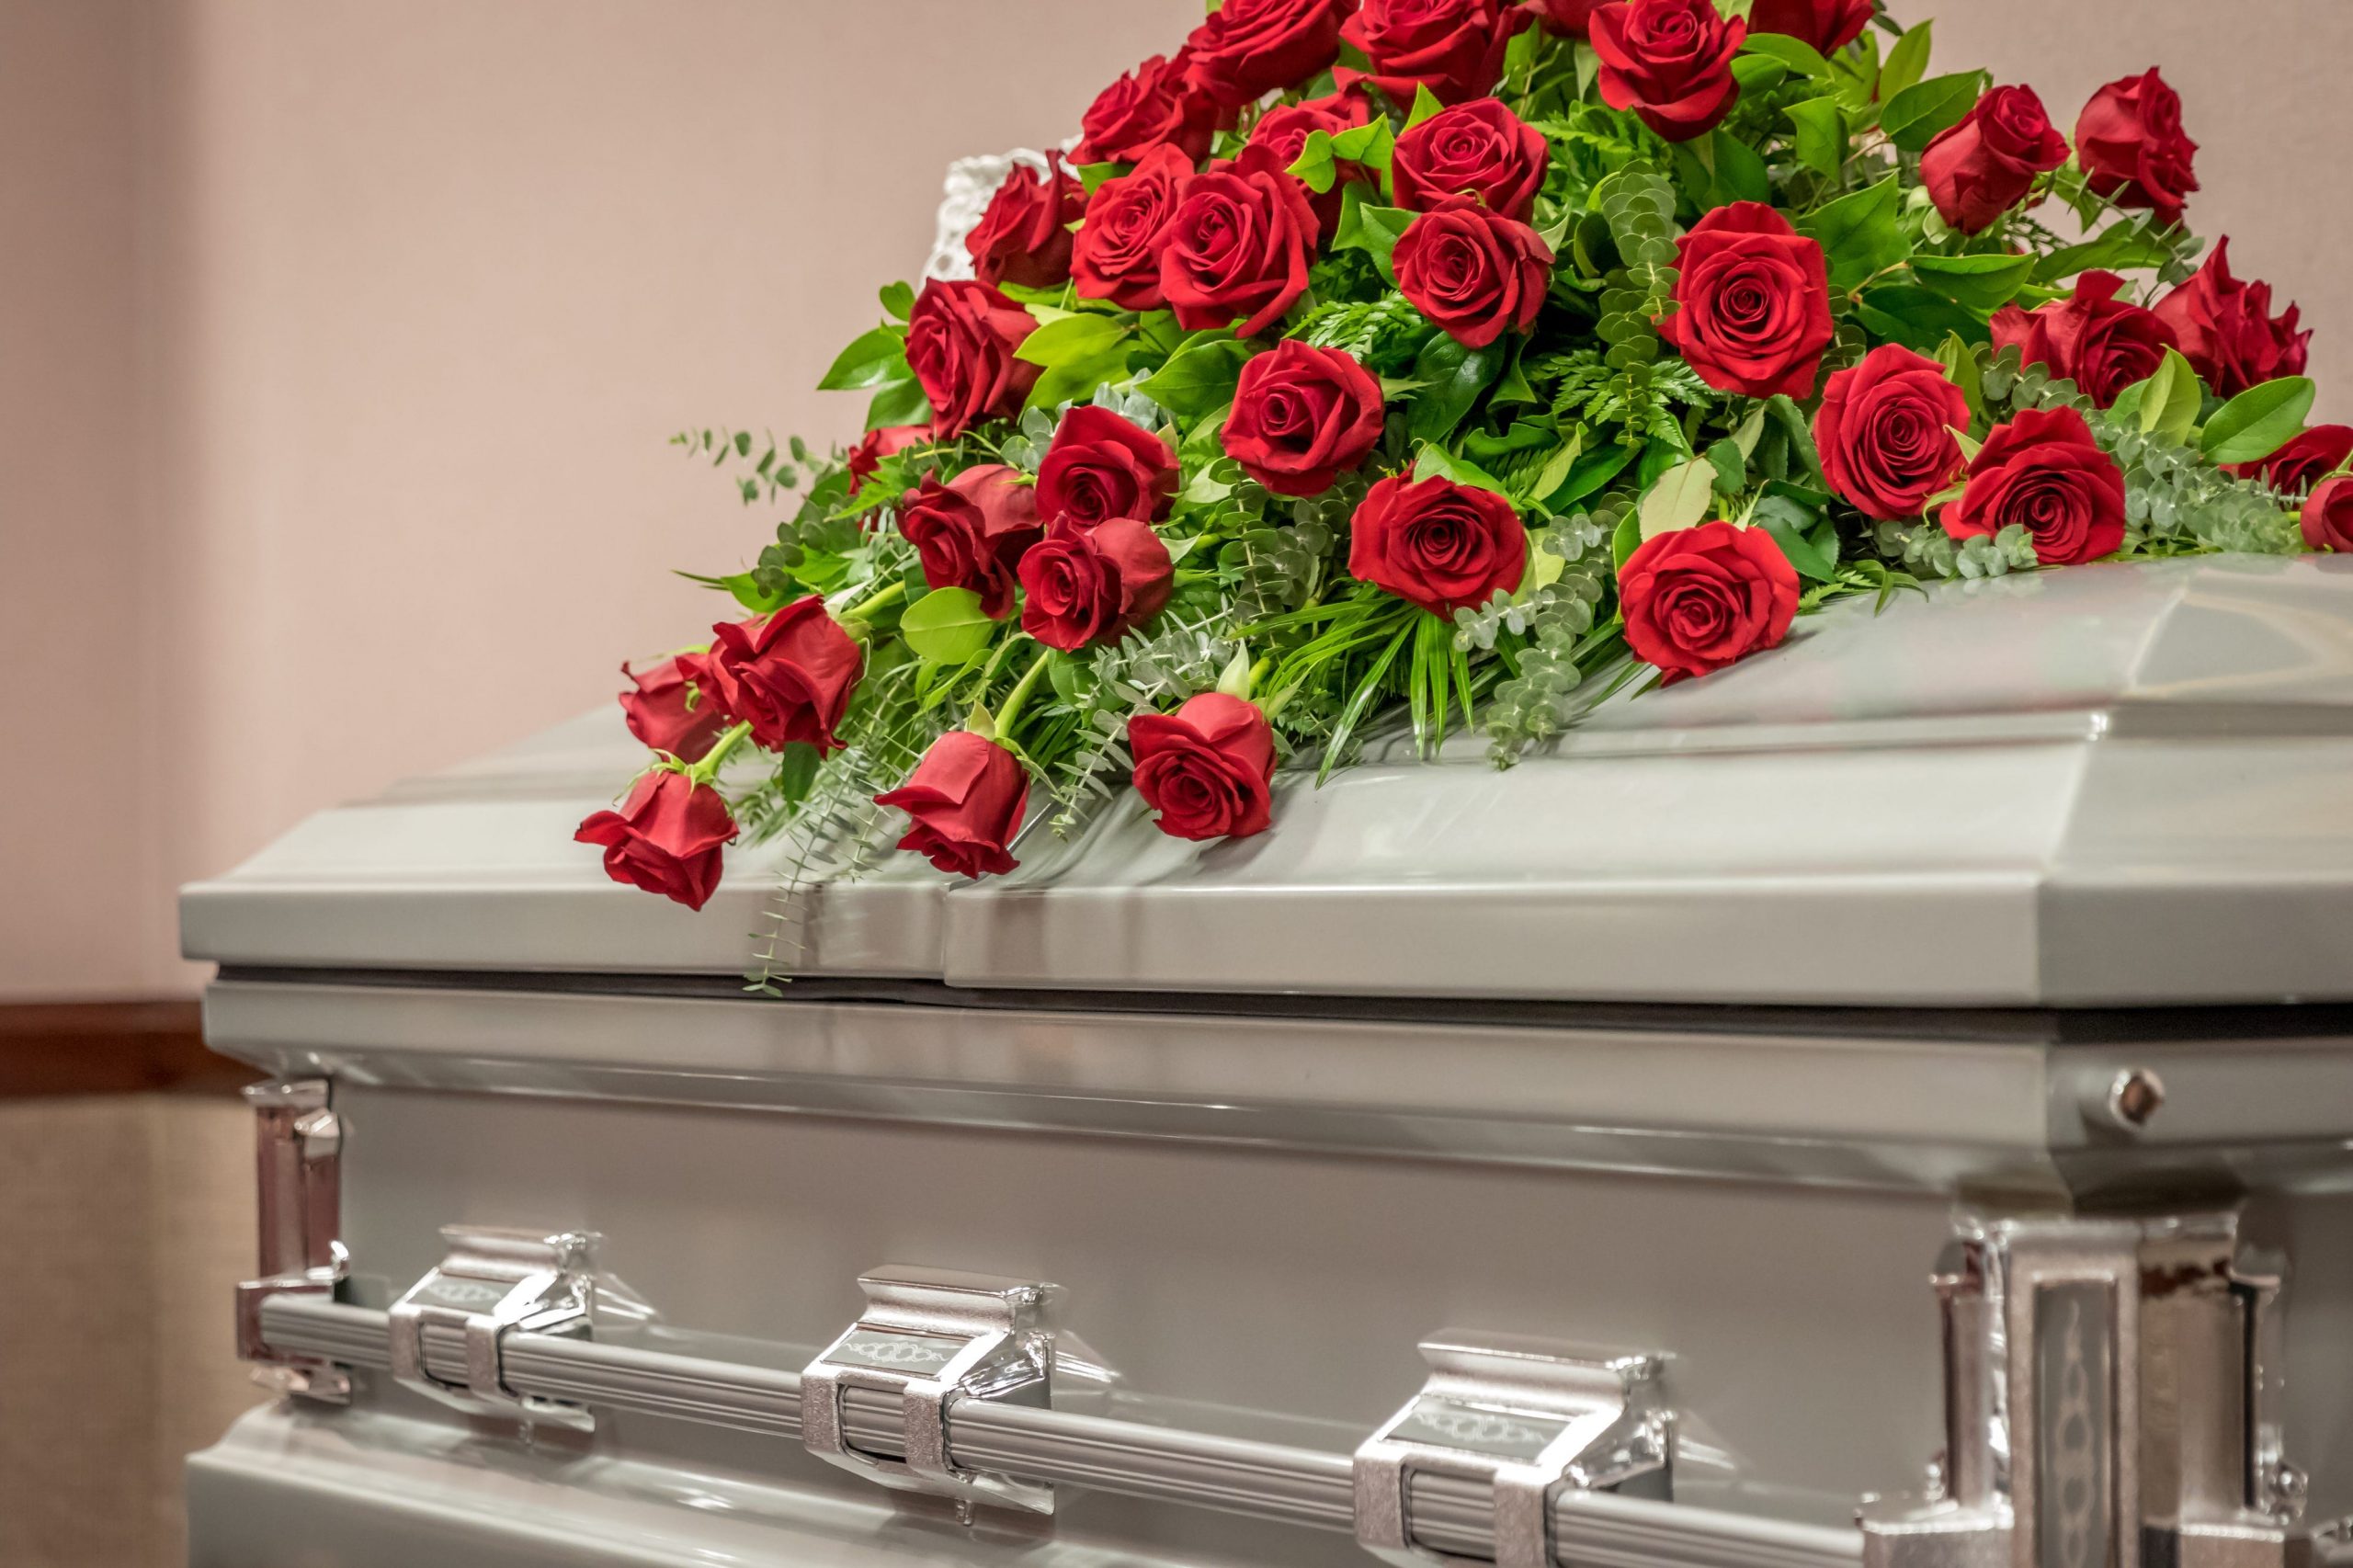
1023 235
1697 599
1474 272
1249 48
1455 48
665 838
1239 245
1670 61
1301 415
2101 343
787 675
1090 585
675 707
1154 106
2303 462
1280 135
1206 768
2043 471
1886 432
1478 148
2227 331
1573 19
1753 304
2328 516
960 338
1102 466
2131 145
966 796
970 532
1828 25
1441 545
1986 165
1117 254
876 444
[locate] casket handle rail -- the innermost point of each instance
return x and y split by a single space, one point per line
492 1282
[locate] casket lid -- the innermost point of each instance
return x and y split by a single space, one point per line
2111 785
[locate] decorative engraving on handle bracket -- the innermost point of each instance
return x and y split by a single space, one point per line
491 1283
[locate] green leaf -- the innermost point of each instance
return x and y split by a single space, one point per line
1821 134
1092 176
1433 461
1860 233
1731 464
947 626
1793 421
1078 353
1590 473
1909 314
1980 283
1313 167
1455 375
876 357
898 403
2170 399
1926 110
898 300
1906 63
1627 539
1371 228
2260 421
2121 247
1199 377
1802 58
1757 74
1789 523
1427 106
1680 498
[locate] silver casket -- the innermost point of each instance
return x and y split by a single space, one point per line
1889 1103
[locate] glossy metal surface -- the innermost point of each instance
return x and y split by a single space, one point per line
298 1162
492 1282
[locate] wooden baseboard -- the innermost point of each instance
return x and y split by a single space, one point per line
111 1048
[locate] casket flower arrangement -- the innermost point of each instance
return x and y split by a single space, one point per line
1451 365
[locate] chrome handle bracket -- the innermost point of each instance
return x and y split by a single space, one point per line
932 1338
1528 1418
298 1164
492 1282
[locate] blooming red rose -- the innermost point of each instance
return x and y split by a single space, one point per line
2043 471
2227 330
1455 48
2303 462
665 838
1024 234
2328 516
1670 61
1474 272
1441 545
1752 304
674 707
960 338
1301 415
1828 25
2132 148
1155 105
1985 165
2093 338
1087 585
1478 148
1100 466
1239 245
876 444
1207 768
972 531
1280 135
1249 48
1117 254
1886 432
1573 19
1697 599
787 675
966 796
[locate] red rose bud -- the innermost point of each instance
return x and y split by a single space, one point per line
1023 235
1472 271
1753 304
1117 254
787 675
1155 105
1571 18
1455 48
1280 136
2303 462
2095 339
2328 516
1478 148
1828 25
1886 432
966 797
1441 545
1697 599
1207 768
2043 471
1300 416
1087 585
665 838
1249 48
1985 165
960 338
876 444
2227 331
2132 149
1670 61
970 532
675 707
1100 466
1238 246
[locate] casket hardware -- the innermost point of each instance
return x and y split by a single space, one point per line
492 1282
930 1338
298 1150
1531 1420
